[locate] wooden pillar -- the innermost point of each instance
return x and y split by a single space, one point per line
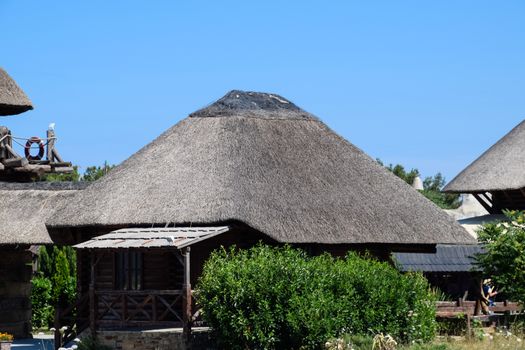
186 296
92 305
57 334
50 144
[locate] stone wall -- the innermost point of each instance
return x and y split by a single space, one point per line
15 291
164 339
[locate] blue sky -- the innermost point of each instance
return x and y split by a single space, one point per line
428 84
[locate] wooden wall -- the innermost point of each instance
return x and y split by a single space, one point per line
15 291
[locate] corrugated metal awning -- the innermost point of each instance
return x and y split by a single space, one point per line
448 258
176 237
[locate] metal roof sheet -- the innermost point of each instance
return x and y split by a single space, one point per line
448 258
177 237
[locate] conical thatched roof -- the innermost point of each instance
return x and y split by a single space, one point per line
12 99
25 207
501 167
259 159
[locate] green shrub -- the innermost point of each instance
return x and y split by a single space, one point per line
42 311
269 298
91 343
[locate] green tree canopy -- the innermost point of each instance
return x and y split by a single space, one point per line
432 186
504 257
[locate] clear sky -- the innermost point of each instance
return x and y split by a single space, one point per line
429 84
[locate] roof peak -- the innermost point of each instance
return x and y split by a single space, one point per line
238 103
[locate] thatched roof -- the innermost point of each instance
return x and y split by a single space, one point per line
261 160
12 99
500 168
25 207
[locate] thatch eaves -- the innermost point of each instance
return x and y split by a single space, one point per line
499 168
12 99
259 159
25 208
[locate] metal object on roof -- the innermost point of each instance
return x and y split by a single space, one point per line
448 258
156 237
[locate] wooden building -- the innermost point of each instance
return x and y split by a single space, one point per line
250 167
496 178
23 210
451 268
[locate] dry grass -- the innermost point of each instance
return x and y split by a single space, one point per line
498 341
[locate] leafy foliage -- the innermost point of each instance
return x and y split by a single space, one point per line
504 257
432 186
94 173
43 312
55 283
74 176
277 298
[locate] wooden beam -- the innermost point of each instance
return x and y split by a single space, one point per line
50 144
482 202
507 196
186 296
487 198
92 306
56 156
15 162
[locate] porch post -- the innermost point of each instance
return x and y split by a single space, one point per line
92 308
186 296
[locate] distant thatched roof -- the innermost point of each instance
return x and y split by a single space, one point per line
25 207
12 99
259 159
501 167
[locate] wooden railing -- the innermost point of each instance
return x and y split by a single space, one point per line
446 309
471 310
138 308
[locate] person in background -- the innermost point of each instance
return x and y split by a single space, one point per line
489 292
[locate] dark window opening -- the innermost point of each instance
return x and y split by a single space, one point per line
128 270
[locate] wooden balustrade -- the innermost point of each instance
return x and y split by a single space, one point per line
136 308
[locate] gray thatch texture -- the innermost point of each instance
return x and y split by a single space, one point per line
500 168
259 159
25 207
12 99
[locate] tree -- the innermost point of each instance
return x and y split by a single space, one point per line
432 186
94 173
55 282
73 176
504 257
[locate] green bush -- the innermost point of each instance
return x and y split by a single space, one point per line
504 257
42 311
269 298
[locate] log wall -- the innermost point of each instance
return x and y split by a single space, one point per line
15 291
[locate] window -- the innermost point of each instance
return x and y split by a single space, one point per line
128 270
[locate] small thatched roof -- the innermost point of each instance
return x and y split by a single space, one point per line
12 99
501 167
261 160
25 207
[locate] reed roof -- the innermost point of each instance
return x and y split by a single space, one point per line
12 99
499 168
259 159
24 208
